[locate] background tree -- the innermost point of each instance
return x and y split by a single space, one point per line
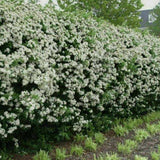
155 26
118 12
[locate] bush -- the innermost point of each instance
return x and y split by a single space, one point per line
61 70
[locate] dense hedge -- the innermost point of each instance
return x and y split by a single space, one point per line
64 69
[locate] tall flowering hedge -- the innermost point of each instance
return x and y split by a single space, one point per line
65 69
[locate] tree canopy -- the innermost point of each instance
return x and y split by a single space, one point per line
155 27
118 12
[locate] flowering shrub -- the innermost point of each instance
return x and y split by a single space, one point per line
65 69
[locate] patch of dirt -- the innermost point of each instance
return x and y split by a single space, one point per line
20 157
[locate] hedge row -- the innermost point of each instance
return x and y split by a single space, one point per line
67 69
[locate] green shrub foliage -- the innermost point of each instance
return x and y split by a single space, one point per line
64 69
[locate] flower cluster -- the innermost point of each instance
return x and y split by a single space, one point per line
63 68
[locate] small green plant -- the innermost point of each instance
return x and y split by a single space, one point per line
159 149
90 145
152 129
158 126
118 121
132 123
120 130
155 156
42 155
107 157
61 154
111 157
77 150
151 117
140 158
98 158
141 134
99 138
127 147
79 138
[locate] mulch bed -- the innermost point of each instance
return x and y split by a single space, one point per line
110 145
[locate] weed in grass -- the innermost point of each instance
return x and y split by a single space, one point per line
79 138
90 145
120 130
99 138
128 147
140 158
77 150
141 134
152 129
107 157
42 155
61 154
155 156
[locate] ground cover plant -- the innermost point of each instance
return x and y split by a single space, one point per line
42 155
61 154
63 74
90 144
123 147
128 147
107 157
99 138
77 150
140 158
141 134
